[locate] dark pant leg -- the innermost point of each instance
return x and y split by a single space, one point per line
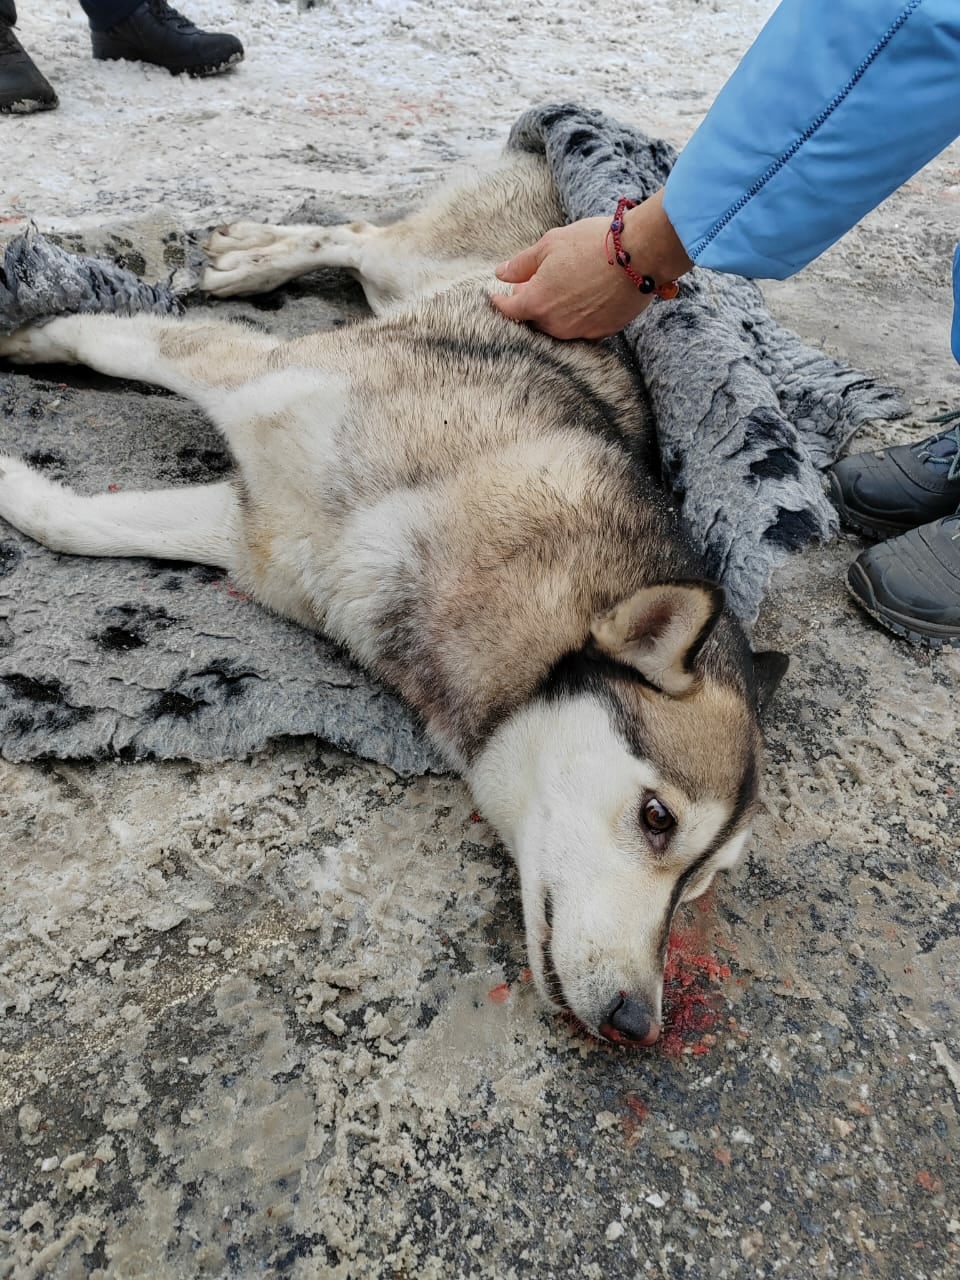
8 12
104 14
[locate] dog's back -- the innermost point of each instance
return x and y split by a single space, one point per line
484 494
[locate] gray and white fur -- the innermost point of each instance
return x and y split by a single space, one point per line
470 509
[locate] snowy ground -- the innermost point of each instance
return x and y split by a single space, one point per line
269 1017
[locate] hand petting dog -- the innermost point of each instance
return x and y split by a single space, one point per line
569 285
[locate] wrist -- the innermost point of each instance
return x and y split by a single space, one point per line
655 248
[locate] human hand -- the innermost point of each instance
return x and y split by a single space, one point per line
566 286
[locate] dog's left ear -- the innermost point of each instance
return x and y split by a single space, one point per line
660 630
769 668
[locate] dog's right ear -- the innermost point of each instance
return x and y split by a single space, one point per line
769 668
660 630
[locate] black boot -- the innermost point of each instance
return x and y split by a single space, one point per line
911 584
887 493
22 87
158 34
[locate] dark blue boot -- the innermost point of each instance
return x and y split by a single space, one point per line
911 584
160 35
886 493
22 87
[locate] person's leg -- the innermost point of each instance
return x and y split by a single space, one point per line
103 14
150 31
22 87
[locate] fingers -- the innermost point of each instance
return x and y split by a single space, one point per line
566 285
524 265
530 304
515 306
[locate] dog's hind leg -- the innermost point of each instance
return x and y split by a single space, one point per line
200 523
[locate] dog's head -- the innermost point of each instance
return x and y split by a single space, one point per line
622 790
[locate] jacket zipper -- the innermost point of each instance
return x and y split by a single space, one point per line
808 133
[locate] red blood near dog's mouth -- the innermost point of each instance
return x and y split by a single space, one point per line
611 1033
690 995
606 1037
581 1031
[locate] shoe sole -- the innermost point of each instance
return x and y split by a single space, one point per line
213 69
197 72
877 529
859 586
27 106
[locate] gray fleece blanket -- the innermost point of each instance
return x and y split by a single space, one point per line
135 658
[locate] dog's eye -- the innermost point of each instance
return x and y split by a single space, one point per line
656 817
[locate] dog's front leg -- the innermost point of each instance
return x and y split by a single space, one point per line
184 355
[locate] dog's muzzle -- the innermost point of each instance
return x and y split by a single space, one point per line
624 1020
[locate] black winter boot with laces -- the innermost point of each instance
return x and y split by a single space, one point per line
22 87
886 493
160 35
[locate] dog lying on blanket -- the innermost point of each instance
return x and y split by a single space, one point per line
469 508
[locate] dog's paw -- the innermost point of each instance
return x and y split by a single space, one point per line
242 235
21 487
249 257
242 272
40 343
16 347
11 469
39 507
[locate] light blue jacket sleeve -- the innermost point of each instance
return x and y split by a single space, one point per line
836 104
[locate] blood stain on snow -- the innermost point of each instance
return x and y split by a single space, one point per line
637 1112
690 996
499 994
929 1181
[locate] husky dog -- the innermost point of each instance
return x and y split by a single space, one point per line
470 508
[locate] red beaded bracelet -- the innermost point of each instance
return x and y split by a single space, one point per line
646 284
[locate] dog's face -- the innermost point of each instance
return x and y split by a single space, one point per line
629 785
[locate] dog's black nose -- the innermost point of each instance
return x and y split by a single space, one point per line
626 1021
